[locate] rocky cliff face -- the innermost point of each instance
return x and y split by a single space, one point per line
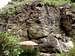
41 24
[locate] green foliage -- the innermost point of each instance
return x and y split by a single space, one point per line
72 1
62 54
16 5
13 7
18 0
73 7
30 52
72 52
8 44
56 2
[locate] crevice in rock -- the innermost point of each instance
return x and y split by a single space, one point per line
65 21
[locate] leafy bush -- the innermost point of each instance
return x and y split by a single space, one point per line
73 7
8 44
72 0
15 6
18 0
72 52
30 52
62 54
56 2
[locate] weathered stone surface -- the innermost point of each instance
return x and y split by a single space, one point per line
53 44
41 24
46 54
28 44
34 23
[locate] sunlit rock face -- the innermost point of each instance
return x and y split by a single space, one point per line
39 23
4 3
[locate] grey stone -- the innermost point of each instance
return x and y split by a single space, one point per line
46 54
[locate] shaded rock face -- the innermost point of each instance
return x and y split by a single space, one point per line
66 20
39 23
73 24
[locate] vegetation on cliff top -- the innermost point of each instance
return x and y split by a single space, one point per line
16 5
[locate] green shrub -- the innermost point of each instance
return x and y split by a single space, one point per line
62 54
72 52
17 0
56 2
72 0
30 52
73 7
15 6
8 44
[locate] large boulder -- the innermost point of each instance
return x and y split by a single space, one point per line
53 44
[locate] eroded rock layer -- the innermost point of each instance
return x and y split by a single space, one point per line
41 24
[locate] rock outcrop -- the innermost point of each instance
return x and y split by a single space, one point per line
41 24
